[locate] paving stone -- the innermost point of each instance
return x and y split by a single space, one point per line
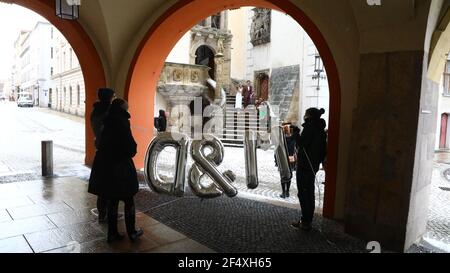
15 245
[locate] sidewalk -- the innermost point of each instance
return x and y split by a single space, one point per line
55 216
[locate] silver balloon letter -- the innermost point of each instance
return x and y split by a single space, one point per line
281 154
160 185
251 161
208 164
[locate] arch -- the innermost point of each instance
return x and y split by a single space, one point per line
206 51
440 46
90 62
170 27
196 46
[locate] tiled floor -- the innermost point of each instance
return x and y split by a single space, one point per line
54 216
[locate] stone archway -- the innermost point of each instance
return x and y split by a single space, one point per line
90 62
169 28
205 56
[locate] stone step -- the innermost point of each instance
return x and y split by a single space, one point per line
232 142
232 117
244 123
243 129
230 145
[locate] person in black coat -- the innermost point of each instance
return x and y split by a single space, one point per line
113 173
101 108
161 121
312 145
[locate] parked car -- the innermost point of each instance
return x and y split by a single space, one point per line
25 101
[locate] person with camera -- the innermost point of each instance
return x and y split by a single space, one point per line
312 149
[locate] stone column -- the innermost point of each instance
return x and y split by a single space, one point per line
208 21
219 60
384 137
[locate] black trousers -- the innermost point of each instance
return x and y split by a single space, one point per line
130 215
305 185
286 185
102 206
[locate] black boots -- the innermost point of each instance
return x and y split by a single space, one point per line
285 187
135 235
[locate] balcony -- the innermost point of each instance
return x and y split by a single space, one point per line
180 84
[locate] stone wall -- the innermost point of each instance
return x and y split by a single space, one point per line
384 145
283 82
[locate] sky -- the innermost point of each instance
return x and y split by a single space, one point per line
13 19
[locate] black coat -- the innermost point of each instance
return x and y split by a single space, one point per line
312 145
97 117
113 174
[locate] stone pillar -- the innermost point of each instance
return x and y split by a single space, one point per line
384 137
208 22
219 60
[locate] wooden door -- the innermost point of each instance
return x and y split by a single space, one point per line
443 140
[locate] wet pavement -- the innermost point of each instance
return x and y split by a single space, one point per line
54 215
23 129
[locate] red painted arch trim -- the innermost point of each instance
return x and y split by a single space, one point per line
180 10
90 62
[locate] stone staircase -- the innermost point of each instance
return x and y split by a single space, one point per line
237 122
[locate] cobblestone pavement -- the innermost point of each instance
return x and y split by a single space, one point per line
437 237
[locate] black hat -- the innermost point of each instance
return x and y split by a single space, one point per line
105 94
315 113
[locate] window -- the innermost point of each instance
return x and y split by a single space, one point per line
447 79
215 21
51 33
64 99
51 71
70 95
78 95
51 53
70 56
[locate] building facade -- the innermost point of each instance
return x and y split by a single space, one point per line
443 112
67 93
31 71
274 52
16 70
46 66
267 48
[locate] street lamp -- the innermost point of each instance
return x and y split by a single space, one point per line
68 9
318 70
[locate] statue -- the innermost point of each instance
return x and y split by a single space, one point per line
260 28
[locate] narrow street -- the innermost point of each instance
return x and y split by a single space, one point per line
23 129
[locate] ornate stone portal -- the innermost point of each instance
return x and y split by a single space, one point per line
261 25
219 41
